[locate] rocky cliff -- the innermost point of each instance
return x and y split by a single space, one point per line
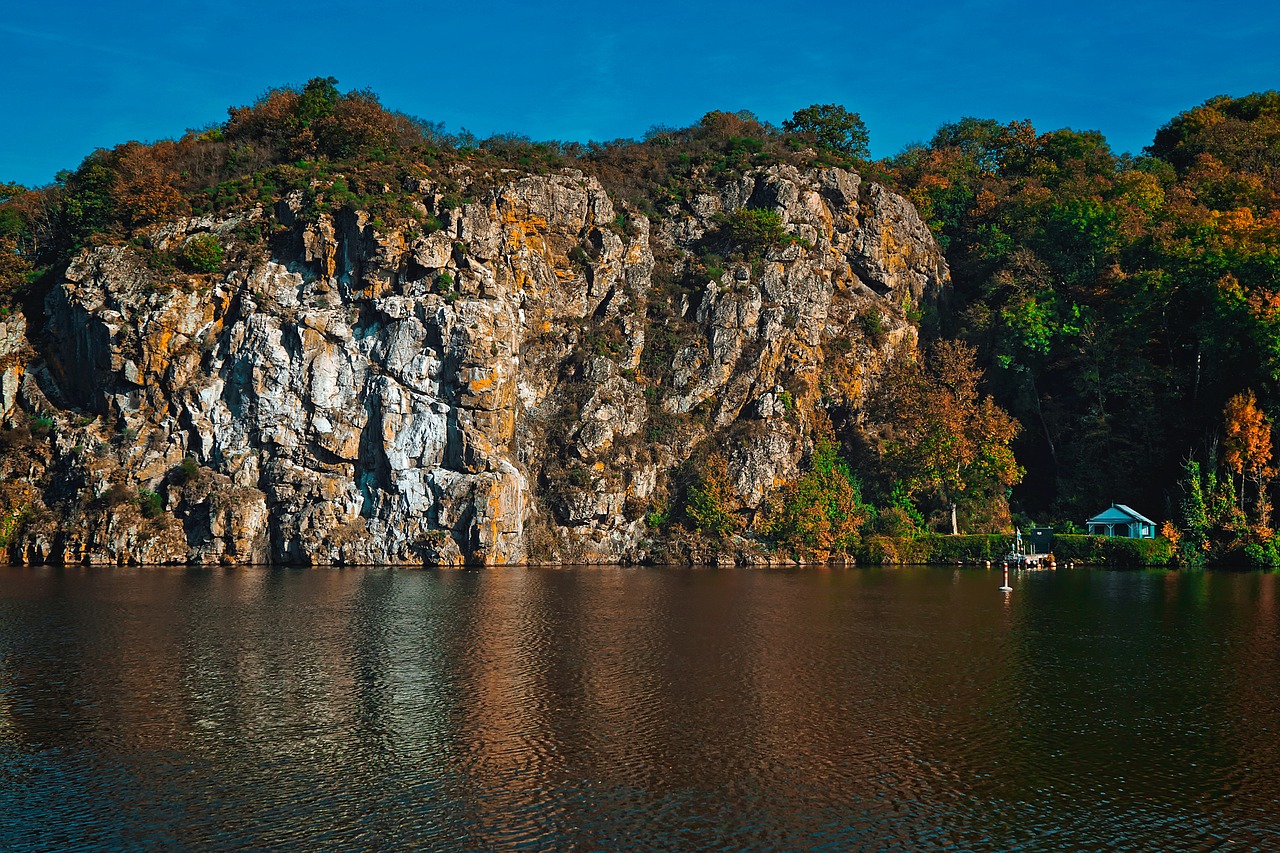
522 383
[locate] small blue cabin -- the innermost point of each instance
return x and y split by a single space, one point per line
1121 520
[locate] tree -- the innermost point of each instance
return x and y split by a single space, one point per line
832 127
10 190
944 440
1246 446
15 267
317 100
144 189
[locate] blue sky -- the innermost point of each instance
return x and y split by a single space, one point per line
85 75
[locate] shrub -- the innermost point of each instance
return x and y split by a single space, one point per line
1264 555
658 516
714 266
187 470
754 230
822 512
881 550
115 496
202 254
41 426
708 501
11 522
873 326
149 503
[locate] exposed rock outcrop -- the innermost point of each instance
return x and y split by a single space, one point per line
518 385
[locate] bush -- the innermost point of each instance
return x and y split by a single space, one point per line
884 550
116 496
709 502
1262 555
187 471
11 522
202 254
822 512
873 326
658 516
149 503
754 230
41 426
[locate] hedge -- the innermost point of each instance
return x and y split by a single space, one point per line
972 548
1117 552
934 548
938 548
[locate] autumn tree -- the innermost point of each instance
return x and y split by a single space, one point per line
320 121
945 440
15 265
1246 448
145 188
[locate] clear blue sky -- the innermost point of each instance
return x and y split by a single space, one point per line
84 75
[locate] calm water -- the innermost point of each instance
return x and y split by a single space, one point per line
637 709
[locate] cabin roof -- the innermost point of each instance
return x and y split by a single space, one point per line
1119 514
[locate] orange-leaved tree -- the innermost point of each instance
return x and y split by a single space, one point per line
944 440
1246 450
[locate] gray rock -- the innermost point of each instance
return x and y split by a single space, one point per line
455 397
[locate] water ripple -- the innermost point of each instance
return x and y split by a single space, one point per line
610 709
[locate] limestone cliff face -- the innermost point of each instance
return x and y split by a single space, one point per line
518 385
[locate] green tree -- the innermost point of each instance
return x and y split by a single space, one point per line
832 127
318 99
1195 516
89 205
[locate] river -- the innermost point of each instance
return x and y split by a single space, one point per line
637 709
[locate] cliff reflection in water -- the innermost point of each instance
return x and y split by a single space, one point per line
639 708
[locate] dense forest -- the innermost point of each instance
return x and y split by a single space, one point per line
1124 310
